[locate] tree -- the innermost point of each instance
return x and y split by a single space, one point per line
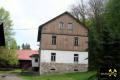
25 46
8 53
94 18
18 47
106 24
96 9
112 18
79 11
28 46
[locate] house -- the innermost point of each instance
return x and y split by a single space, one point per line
35 62
63 45
25 59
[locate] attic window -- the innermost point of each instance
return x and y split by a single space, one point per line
61 25
70 26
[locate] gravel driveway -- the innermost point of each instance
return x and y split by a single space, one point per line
9 77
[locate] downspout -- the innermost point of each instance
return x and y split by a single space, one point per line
40 59
40 56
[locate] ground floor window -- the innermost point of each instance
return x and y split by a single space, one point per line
53 57
76 58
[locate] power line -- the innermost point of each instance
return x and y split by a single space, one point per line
24 29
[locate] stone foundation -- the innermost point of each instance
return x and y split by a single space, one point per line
49 68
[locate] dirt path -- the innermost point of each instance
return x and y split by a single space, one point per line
9 77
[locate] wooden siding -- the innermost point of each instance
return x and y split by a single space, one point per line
65 37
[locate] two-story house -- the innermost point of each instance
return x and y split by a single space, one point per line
63 45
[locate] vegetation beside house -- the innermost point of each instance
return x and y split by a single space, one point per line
102 18
8 56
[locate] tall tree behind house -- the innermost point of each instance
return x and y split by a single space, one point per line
26 46
95 22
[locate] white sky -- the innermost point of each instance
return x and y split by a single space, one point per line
31 14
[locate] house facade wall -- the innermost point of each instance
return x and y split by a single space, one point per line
64 37
64 47
64 62
64 42
52 68
64 56
53 27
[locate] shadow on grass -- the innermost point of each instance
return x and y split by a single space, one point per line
28 73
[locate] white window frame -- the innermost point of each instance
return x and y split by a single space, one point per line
53 57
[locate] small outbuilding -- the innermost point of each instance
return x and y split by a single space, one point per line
35 62
25 61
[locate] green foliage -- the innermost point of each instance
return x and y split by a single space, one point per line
8 57
8 52
104 36
111 36
113 16
5 18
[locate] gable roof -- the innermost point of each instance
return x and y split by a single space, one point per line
41 26
34 55
25 54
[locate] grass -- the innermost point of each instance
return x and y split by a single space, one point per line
67 76
11 71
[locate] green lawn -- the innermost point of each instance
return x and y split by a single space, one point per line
67 76
11 71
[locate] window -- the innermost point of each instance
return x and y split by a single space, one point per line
75 69
53 40
76 41
61 25
53 69
53 57
76 58
70 26
36 59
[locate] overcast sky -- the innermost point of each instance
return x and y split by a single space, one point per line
32 13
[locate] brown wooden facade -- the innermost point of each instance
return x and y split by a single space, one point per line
65 36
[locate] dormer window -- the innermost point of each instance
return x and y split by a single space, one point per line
61 25
70 26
